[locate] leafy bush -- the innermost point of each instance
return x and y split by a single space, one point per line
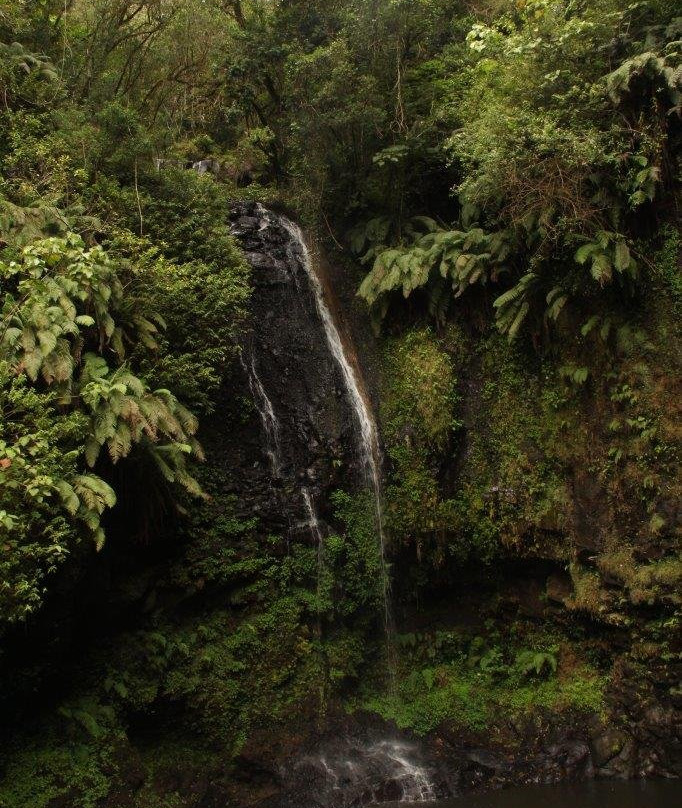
47 501
66 329
419 423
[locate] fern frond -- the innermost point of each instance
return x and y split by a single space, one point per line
120 443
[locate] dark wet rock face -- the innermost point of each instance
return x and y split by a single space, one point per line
302 428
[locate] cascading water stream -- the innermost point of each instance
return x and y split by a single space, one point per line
360 773
265 409
368 432
413 778
316 530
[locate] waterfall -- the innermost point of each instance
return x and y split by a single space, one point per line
267 414
300 271
367 429
299 349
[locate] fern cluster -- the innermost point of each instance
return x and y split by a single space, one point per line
46 498
447 262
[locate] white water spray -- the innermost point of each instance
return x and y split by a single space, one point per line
363 774
412 777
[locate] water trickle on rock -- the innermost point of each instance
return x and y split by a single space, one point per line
207 166
271 426
315 528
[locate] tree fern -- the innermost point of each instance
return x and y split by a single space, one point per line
648 67
463 258
20 226
18 58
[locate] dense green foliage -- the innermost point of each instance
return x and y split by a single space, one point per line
66 326
86 350
566 131
471 681
45 493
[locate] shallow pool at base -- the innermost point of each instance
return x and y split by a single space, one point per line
633 794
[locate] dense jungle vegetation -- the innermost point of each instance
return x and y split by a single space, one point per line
500 184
